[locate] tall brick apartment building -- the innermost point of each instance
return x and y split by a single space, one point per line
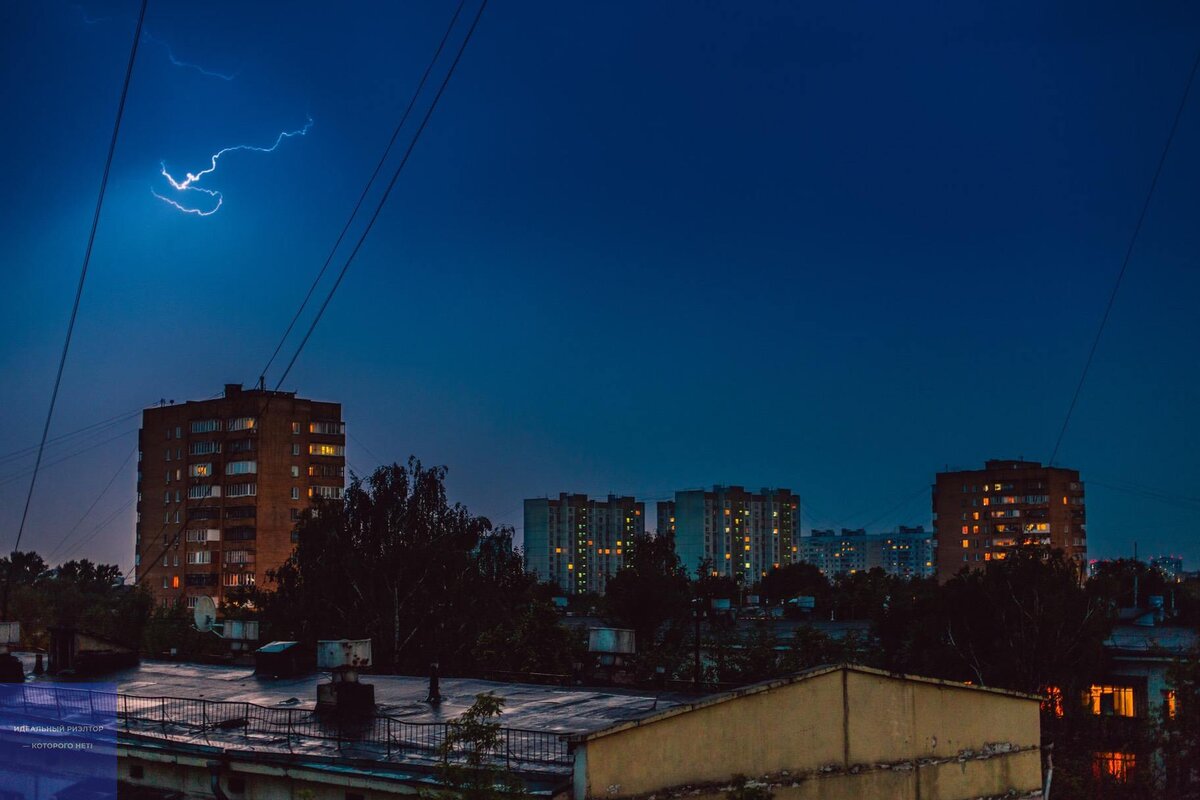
221 484
981 515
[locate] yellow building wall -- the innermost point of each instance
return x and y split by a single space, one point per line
793 727
842 719
945 781
892 718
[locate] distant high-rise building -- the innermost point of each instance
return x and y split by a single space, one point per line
578 543
1171 566
981 515
744 535
906 552
233 474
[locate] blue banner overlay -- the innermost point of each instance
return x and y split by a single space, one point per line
58 741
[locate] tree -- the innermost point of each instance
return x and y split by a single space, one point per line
76 594
795 580
1179 731
650 592
396 562
532 640
471 750
1118 582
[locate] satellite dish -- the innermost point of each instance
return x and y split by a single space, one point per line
205 614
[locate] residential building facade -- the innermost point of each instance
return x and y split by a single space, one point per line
741 534
234 475
578 543
981 515
906 552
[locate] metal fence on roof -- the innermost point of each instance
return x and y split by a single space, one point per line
260 727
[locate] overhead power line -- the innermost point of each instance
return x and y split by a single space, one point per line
383 200
168 542
87 257
95 427
366 189
10 478
67 537
1137 229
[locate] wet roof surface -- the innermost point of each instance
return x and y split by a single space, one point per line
541 708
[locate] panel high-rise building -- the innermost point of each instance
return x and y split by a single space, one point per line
579 543
221 484
981 515
905 552
742 534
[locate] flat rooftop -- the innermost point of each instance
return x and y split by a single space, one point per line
543 708
205 709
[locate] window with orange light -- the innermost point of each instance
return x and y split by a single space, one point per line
1052 701
1111 701
1117 765
1170 703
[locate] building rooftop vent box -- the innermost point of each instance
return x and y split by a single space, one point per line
344 695
333 654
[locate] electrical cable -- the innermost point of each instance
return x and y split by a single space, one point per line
362 197
87 256
95 427
62 542
1137 228
387 192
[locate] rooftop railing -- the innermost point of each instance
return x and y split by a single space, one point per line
280 729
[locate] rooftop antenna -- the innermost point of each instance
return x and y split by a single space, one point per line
205 615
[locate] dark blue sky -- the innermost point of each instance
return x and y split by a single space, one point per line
641 247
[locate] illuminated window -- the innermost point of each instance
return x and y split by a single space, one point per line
974 515
747 548
1116 701
727 556
326 450
1052 702
558 549
986 501
175 582
570 566
966 543
1116 765
242 424
1169 703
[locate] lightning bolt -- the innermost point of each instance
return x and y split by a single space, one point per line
86 19
191 178
185 64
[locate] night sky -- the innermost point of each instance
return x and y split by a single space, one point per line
641 247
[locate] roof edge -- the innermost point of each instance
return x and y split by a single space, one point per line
775 683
